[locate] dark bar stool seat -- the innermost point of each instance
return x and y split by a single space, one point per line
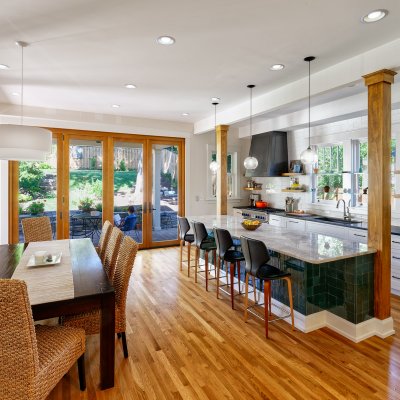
185 237
226 254
257 256
204 242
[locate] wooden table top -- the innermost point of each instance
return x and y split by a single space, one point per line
88 273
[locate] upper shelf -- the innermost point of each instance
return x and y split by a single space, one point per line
292 174
251 188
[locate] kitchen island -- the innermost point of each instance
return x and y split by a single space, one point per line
333 279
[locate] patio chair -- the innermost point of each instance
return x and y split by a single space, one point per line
33 359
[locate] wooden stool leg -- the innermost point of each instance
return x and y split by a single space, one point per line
267 287
289 283
206 266
239 281
218 272
246 296
232 273
226 273
214 255
270 298
180 255
188 256
196 263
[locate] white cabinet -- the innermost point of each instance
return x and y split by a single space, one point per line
358 235
295 224
395 272
276 220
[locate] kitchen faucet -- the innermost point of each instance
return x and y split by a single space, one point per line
346 211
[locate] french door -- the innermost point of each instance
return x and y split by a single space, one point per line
91 177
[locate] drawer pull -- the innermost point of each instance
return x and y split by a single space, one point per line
294 222
396 277
355 234
396 258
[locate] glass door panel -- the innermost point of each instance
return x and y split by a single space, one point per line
128 188
164 205
37 194
85 189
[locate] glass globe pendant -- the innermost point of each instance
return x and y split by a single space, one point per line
214 166
250 163
309 156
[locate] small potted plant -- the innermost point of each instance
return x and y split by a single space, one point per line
36 208
97 211
85 204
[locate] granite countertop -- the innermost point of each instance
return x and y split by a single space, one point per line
314 248
314 218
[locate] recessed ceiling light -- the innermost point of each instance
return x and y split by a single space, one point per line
276 67
130 86
116 106
15 93
375 15
185 114
3 66
166 40
215 99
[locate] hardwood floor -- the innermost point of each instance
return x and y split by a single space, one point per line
185 344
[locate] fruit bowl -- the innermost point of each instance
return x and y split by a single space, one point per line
251 224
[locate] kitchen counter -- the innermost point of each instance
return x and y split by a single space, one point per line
313 248
362 225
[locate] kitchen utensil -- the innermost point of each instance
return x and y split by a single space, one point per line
261 204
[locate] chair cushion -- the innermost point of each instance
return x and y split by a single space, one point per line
189 238
269 272
236 243
208 244
233 255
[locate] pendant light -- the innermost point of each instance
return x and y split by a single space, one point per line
309 156
251 162
20 142
214 164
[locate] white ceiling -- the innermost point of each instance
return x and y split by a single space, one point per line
83 52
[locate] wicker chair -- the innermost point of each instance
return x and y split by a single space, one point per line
33 358
111 253
90 321
104 239
37 229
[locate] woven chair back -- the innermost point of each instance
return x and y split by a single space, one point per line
104 239
111 254
126 258
19 360
37 229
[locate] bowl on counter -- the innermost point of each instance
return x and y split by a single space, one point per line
251 224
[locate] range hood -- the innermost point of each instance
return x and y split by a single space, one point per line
270 149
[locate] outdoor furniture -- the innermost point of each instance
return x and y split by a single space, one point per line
37 229
85 225
33 358
111 254
103 241
90 322
92 290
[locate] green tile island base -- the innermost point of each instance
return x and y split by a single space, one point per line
337 294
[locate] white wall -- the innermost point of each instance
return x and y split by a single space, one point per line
3 202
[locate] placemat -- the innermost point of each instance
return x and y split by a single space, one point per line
51 282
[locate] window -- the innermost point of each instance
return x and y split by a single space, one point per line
232 174
329 184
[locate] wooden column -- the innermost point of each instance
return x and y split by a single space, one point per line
222 177
379 191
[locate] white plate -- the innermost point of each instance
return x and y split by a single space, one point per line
55 259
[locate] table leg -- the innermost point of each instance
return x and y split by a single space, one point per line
107 341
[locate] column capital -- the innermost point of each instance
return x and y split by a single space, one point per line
383 75
222 128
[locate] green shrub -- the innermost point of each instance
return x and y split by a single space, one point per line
85 204
23 197
99 207
122 165
36 207
93 163
30 177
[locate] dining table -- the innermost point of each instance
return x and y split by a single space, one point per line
91 290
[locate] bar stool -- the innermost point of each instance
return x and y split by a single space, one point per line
257 256
204 242
224 242
185 237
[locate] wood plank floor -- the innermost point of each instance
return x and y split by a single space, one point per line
185 344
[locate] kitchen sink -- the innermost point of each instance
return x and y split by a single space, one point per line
338 220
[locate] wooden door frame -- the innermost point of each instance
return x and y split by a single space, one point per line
108 140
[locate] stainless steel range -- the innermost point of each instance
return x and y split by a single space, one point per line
259 214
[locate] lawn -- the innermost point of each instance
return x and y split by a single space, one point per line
121 178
